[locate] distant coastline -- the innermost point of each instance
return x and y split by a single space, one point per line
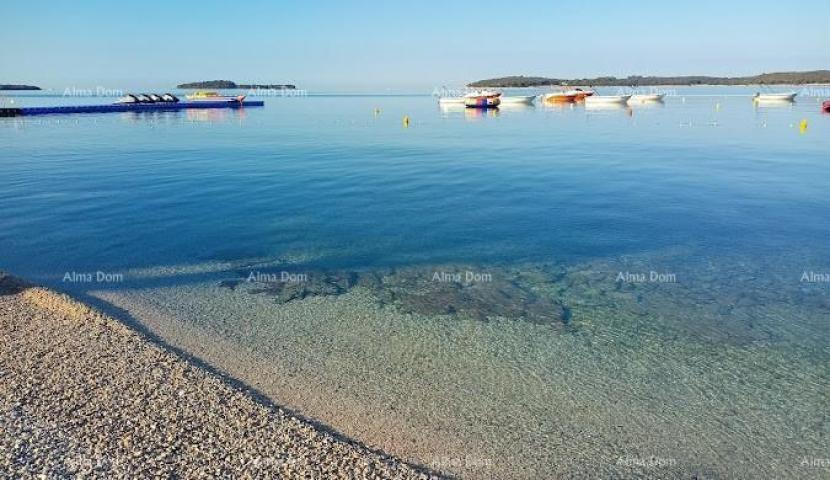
780 78
18 87
227 84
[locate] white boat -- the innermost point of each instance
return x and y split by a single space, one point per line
451 101
214 97
463 100
607 99
518 100
647 97
775 97
482 101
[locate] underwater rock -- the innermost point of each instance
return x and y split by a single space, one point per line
471 293
231 284
447 290
300 286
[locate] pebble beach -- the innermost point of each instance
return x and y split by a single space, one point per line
84 396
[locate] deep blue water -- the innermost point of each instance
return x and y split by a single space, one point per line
324 175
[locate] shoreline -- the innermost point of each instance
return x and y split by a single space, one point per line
441 390
85 394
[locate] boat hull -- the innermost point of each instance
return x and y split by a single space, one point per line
559 98
221 98
775 97
482 102
646 98
607 100
518 100
580 94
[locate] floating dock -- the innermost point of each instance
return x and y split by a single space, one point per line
125 107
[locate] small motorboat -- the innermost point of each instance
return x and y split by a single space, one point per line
775 97
155 98
607 99
580 93
518 100
560 97
647 98
451 101
143 98
482 101
214 97
826 106
170 98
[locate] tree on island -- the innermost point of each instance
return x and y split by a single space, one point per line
780 78
229 85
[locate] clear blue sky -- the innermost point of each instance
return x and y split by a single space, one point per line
373 45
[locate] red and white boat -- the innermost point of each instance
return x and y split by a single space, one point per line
482 99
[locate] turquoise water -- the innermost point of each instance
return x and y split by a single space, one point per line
642 308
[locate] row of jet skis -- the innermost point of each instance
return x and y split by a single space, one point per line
170 98
148 98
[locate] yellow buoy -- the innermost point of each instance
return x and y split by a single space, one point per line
406 120
377 112
802 127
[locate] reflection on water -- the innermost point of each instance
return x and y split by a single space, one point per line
554 105
480 113
452 107
516 107
647 104
153 116
215 115
171 117
773 104
606 106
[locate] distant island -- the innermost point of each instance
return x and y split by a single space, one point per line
781 78
18 87
227 84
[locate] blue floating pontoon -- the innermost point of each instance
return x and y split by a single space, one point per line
126 107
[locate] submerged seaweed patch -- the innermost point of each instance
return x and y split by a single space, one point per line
469 293
449 290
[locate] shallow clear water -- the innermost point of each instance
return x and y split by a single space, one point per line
728 197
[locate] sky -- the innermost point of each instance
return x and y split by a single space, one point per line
399 46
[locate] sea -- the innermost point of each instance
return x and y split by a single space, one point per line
534 291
